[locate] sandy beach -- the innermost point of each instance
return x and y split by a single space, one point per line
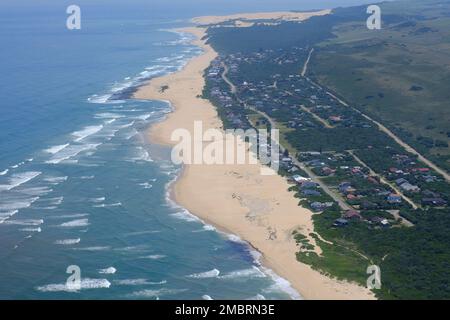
237 198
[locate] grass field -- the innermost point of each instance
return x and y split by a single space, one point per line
398 74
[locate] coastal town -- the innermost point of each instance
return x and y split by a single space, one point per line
334 156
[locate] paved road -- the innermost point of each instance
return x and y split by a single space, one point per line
382 127
373 173
305 66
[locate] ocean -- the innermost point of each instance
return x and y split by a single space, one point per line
80 185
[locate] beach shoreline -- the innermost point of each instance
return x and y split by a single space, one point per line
237 199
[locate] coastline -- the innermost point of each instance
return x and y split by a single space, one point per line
236 198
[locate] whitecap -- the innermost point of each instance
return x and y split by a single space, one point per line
153 257
18 179
18 165
207 297
71 152
185 215
94 248
108 115
214 273
36 191
56 201
17 203
253 272
86 132
110 270
2 173
156 293
137 282
145 117
6 215
137 248
282 285
106 205
25 222
56 149
75 223
127 125
208 227
85 283
67 242
146 185
99 98
31 229
56 180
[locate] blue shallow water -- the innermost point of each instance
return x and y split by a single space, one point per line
80 186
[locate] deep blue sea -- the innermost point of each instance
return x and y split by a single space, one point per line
79 185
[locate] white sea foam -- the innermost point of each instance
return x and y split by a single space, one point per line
25 222
17 203
56 180
67 242
85 283
235 238
208 227
156 293
56 149
253 272
36 191
144 117
146 185
86 132
127 125
281 284
109 115
6 215
75 223
185 215
2 173
138 248
18 179
131 134
107 205
71 152
207 297
56 201
38 229
99 98
153 257
94 248
110 270
97 200
18 165
137 282
142 155
109 121
214 273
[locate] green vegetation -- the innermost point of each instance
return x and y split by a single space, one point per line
396 74
393 76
